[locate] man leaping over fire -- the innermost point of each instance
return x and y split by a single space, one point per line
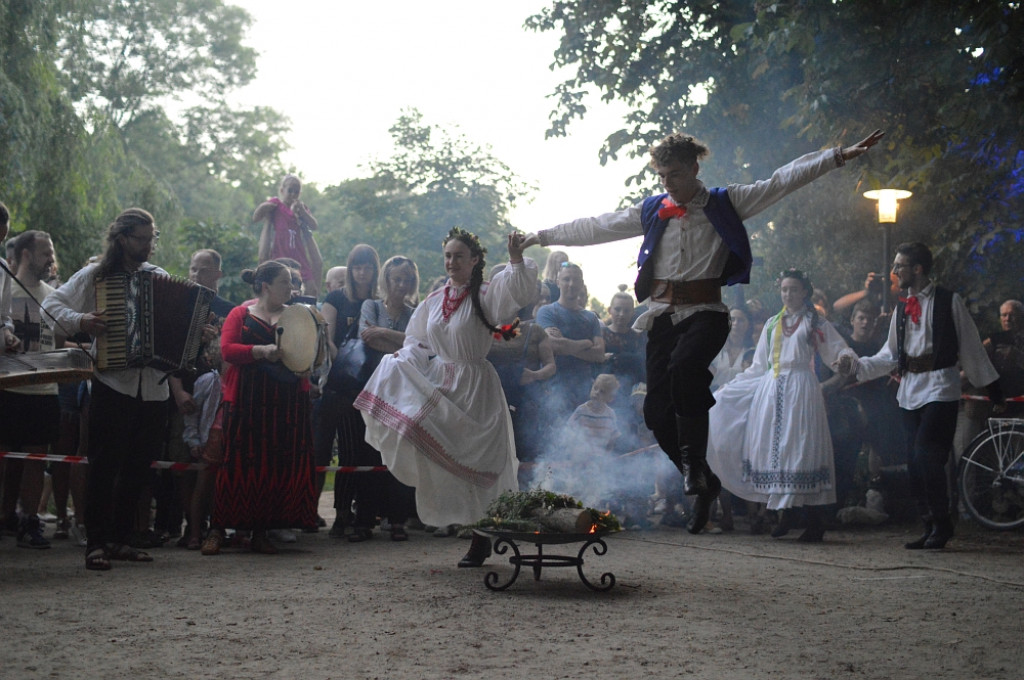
694 243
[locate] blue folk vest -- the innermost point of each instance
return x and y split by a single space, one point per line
722 215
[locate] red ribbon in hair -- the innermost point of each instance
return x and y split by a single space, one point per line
508 331
913 308
670 210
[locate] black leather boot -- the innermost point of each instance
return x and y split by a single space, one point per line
929 526
787 519
815 531
940 535
479 550
702 506
698 479
692 433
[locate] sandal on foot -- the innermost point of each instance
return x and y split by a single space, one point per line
211 545
126 553
360 534
259 543
96 560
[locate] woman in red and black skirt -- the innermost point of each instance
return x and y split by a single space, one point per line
266 481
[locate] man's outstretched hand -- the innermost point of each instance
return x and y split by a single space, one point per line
530 240
863 145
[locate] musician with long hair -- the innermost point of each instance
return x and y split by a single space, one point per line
435 409
128 412
266 480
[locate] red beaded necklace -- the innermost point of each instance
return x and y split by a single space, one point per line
449 305
788 329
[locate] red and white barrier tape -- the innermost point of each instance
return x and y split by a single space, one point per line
980 397
169 465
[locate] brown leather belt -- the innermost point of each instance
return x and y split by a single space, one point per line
696 292
922 364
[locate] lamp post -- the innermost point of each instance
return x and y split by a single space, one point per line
887 205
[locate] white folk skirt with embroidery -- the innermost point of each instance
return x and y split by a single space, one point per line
436 412
446 432
769 439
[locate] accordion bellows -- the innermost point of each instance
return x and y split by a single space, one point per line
152 320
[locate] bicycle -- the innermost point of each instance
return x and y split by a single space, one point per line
991 475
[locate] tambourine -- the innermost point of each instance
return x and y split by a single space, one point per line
302 338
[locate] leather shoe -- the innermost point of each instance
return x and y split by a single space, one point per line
702 508
479 550
812 535
940 535
787 518
929 527
360 534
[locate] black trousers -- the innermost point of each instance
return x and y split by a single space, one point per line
126 434
375 493
678 378
929 434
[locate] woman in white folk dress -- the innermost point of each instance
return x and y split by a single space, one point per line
435 409
770 441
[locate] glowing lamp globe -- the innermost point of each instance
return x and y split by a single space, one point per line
887 202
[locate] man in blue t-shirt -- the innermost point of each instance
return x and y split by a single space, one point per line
576 340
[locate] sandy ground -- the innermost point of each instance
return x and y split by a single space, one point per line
726 606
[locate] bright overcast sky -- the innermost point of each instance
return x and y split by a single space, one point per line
343 71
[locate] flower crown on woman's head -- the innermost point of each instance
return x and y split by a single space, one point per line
794 273
468 237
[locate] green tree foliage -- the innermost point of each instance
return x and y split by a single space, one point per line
213 171
764 82
86 139
50 175
123 55
233 242
436 179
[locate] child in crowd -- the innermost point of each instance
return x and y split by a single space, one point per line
594 420
584 458
202 435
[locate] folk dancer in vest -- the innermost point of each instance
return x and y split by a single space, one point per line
930 334
694 243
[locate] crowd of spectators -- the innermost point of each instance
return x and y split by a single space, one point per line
571 380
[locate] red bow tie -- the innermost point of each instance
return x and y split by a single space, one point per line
913 308
670 210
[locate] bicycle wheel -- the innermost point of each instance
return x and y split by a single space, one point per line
992 478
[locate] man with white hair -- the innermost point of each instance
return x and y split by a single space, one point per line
335 279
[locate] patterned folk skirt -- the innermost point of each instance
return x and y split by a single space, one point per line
267 480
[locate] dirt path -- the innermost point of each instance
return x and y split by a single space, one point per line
728 606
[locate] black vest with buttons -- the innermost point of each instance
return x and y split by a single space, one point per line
945 346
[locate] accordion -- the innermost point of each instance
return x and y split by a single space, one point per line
152 320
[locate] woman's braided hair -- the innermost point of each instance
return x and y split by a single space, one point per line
476 279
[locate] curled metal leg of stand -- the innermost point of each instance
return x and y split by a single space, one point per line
504 541
607 578
501 546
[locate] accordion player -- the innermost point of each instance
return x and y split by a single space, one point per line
153 320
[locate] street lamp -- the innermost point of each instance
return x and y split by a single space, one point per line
887 205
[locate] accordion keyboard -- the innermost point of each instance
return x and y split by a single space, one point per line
111 347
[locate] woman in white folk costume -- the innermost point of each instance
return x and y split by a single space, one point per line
770 441
435 409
